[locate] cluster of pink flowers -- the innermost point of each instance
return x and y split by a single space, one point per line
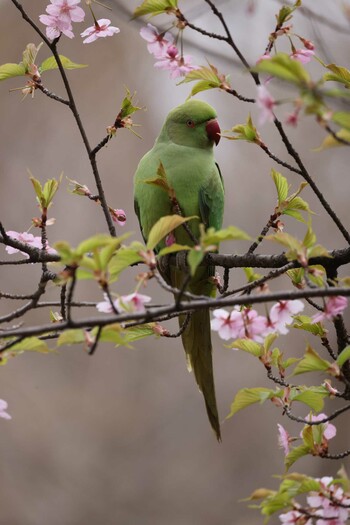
284 439
328 506
164 50
247 323
134 302
62 13
3 408
27 238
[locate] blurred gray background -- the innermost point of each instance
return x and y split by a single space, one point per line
122 438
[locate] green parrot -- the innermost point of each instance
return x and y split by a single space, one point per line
185 149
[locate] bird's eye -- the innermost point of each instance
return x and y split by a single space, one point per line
190 123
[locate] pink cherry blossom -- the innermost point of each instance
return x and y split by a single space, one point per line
172 61
229 325
293 517
100 29
265 56
302 55
293 118
330 430
284 438
118 216
134 302
333 306
327 499
255 325
281 314
55 26
3 408
157 42
66 10
266 104
27 238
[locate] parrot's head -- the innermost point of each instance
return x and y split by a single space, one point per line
192 124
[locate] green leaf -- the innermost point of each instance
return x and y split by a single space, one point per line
311 362
295 454
30 54
249 396
296 249
247 345
342 118
284 67
161 181
173 249
97 241
339 74
343 356
125 257
128 107
12 70
194 258
231 233
303 322
281 184
251 275
50 63
208 78
163 227
247 132
46 193
311 397
134 333
155 7
29 344
331 142
71 337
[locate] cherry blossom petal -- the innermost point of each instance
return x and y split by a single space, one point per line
3 408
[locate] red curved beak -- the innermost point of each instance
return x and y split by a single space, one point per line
213 130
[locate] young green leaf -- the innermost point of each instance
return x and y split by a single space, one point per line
12 70
247 345
339 74
281 184
331 142
208 78
247 132
295 454
194 258
312 362
50 63
155 7
71 337
249 396
163 227
343 356
125 257
284 67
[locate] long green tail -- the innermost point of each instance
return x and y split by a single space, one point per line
197 343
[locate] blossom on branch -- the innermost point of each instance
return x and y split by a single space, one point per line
333 307
266 104
55 26
27 238
294 517
302 55
61 14
281 314
171 60
157 42
284 438
126 303
100 29
229 325
3 408
118 216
